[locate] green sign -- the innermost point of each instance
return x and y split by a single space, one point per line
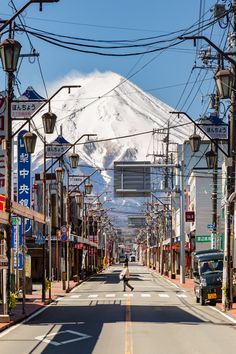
204 238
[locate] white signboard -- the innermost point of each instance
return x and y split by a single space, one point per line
55 150
74 181
24 109
216 131
88 199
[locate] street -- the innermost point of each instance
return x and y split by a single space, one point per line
98 317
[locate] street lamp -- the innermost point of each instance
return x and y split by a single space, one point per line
224 82
195 141
211 159
88 188
10 52
29 142
74 159
49 121
59 171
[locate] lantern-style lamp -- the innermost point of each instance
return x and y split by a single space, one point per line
88 188
10 52
49 121
195 142
224 82
74 159
29 142
79 198
59 171
211 158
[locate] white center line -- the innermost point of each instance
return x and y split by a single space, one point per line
110 295
181 295
93 296
128 295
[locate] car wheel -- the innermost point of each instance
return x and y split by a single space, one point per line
202 300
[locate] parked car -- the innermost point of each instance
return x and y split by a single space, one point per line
208 274
132 258
122 258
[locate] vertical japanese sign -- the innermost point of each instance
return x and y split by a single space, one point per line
2 136
16 242
24 179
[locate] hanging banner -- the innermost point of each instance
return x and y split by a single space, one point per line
2 136
23 179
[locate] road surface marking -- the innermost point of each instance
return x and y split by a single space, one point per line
75 296
110 295
93 296
145 295
128 328
181 295
223 314
46 339
163 295
128 295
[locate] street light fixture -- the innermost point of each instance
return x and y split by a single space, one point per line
59 171
211 158
10 52
195 141
30 142
88 188
49 121
224 82
74 159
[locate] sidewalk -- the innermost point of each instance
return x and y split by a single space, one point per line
189 286
34 303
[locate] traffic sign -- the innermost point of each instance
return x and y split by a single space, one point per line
40 239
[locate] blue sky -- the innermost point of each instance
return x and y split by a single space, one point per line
164 75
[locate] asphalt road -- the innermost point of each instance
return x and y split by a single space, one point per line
98 317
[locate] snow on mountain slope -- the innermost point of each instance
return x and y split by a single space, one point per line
111 107
125 110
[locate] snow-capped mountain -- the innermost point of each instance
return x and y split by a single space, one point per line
115 109
111 107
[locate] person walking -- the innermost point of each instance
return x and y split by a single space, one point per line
124 275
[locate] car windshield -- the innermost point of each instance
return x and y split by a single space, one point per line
214 265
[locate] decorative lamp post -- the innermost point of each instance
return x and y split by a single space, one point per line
59 171
195 141
224 82
74 159
79 198
30 142
49 121
88 188
211 158
10 52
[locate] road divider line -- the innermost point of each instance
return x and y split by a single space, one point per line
128 328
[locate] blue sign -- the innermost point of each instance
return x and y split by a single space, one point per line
24 179
210 226
40 239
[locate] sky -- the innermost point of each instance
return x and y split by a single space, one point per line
167 75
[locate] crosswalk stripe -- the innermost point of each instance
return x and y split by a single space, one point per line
181 295
163 295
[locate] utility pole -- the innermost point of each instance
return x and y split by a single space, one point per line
229 207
